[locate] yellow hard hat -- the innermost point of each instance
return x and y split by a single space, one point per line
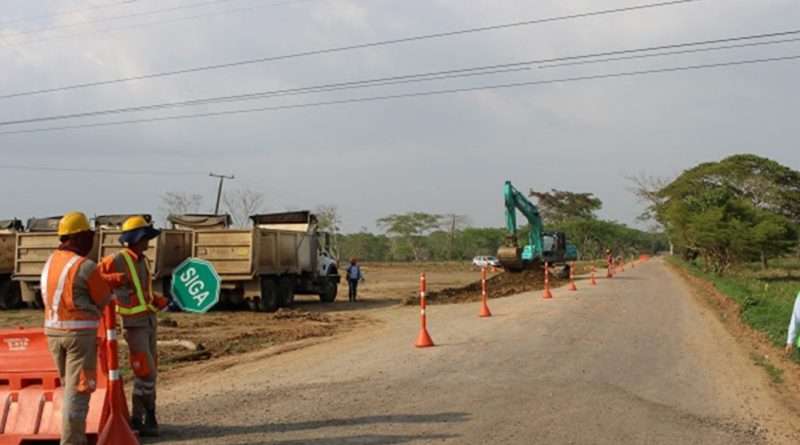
72 223
133 223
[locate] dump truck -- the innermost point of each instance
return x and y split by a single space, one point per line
166 251
9 290
34 246
283 254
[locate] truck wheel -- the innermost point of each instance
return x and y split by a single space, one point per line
269 295
329 291
286 291
10 297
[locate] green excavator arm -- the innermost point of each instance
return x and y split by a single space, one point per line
511 255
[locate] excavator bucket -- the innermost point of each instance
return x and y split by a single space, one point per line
31 393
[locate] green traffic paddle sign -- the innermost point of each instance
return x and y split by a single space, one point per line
195 285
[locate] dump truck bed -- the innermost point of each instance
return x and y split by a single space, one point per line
8 241
242 254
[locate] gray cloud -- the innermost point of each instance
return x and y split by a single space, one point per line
442 154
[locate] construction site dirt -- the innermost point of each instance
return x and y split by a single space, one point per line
225 336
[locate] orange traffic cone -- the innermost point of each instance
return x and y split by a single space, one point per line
572 286
116 429
424 339
485 312
547 294
594 281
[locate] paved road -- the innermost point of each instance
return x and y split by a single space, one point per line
635 360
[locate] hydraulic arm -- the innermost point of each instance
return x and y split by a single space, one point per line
511 255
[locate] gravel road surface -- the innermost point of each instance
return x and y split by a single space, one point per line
634 360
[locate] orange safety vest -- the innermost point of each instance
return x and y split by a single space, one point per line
58 282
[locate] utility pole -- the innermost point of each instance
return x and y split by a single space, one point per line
222 179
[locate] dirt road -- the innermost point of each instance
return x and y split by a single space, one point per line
635 360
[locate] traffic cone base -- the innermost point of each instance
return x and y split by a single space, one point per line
547 294
572 287
485 312
424 340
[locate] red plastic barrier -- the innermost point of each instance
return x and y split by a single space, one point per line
31 393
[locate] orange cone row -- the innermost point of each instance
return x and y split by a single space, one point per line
424 339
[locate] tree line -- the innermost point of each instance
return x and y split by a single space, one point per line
421 236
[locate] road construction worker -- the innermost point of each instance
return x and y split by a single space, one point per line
354 275
794 327
137 304
74 293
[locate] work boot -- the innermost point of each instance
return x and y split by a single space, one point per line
150 427
136 424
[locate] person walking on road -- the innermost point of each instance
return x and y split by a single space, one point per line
794 327
137 304
354 275
74 293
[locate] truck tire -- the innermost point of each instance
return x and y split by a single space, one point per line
269 295
286 291
10 297
329 291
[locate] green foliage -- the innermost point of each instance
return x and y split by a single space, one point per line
557 206
407 231
743 208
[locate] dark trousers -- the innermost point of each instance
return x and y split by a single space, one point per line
353 286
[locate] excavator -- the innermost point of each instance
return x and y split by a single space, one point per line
542 247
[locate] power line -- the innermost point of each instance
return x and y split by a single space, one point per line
411 95
148 24
101 171
63 13
417 77
396 80
122 17
354 47
670 53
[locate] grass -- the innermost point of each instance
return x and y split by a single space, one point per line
765 296
775 374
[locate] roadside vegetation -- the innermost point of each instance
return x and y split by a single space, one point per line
736 224
765 296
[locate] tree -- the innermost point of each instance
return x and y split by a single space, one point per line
558 205
453 223
243 203
741 208
178 203
329 220
408 230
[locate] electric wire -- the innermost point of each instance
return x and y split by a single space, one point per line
58 38
63 13
122 17
626 74
397 80
412 78
354 47
102 171
670 53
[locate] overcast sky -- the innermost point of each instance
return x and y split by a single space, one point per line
444 154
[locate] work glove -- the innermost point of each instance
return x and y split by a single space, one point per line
160 302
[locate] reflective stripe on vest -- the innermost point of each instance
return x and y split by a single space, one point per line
52 317
143 305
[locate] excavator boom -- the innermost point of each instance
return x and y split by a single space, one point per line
512 256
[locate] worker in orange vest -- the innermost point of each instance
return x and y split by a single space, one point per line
74 293
129 275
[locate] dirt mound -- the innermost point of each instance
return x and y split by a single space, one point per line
501 285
